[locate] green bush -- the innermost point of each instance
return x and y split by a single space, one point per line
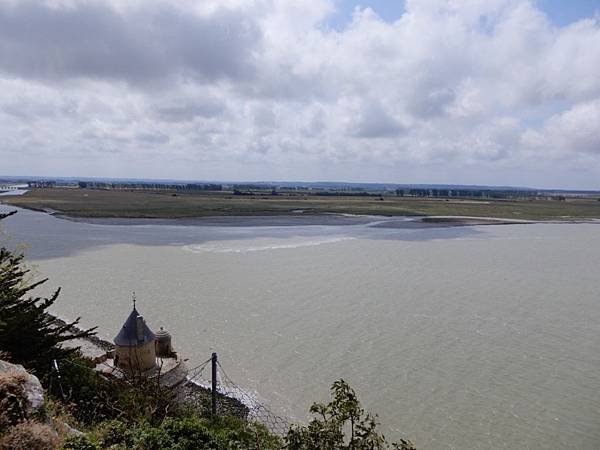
113 433
187 433
149 438
79 443
341 424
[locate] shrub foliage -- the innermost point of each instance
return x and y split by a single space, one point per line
340 424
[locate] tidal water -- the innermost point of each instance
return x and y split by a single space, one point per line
484 337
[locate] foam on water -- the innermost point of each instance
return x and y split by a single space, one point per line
262 245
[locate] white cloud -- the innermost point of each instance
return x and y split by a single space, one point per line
574 131
240 89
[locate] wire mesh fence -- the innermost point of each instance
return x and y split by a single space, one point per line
233 400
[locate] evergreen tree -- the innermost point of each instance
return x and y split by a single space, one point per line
28 333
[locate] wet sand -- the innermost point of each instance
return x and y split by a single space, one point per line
398 222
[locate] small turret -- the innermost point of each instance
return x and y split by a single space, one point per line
164 348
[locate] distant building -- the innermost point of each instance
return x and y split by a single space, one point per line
41 184
12 187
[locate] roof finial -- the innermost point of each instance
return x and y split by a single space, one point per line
133 298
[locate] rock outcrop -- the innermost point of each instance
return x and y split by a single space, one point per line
21 411
21 394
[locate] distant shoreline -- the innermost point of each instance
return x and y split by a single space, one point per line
224 209
283 220
311 219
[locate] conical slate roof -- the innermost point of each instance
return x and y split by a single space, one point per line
128 336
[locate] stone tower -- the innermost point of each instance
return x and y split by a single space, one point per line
135 351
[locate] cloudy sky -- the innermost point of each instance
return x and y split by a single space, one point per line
415 91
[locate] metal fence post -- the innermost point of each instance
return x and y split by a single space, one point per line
214 385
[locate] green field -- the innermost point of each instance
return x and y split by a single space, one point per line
145 204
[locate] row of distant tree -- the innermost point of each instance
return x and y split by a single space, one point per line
482 193
150 186
254 189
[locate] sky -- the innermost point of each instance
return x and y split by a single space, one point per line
497 92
